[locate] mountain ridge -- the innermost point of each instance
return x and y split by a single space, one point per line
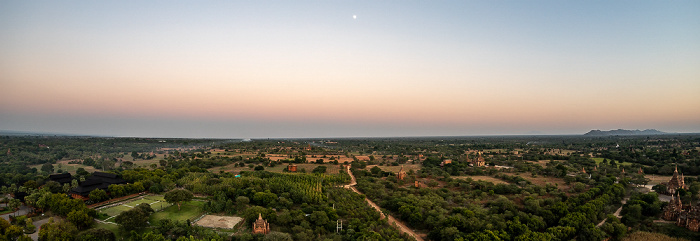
623 132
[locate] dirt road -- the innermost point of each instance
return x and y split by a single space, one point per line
390 219
617 213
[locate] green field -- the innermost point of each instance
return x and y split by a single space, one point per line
114 211
598 160
157 203
190 210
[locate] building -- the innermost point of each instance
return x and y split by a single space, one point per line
62 178
261 226
98 180
445 162
401 174
292 167
479 161
685 216
675 183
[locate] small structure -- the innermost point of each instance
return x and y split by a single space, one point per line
675 182
416 184
261 226
640 171
9 153
401 174
479 161
292 167
583 169
445 162
595 168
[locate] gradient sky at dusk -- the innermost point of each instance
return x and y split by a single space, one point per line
253 69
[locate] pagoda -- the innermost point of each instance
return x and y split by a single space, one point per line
401 174
261 226
675 182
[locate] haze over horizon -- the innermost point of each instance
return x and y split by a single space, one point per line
276 69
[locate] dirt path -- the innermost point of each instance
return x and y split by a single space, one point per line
617 213
390 219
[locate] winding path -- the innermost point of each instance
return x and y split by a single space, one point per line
617 213
390 219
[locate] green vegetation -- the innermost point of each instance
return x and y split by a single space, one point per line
537 188
599 160
189 211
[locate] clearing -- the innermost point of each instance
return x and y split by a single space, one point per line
214 221
542 180
482 178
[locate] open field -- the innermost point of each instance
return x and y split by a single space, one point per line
656 179
482 178
598 160
406 167
330 168
72 168
111 227
542 181
213 221
157 202
114 211
189 210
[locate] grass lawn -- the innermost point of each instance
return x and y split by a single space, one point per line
110 227
139 201
190 210
114 211
598 160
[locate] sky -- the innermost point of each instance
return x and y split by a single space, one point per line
303 69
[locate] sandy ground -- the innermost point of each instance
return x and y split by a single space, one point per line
656 179
542 181
482 178
213 221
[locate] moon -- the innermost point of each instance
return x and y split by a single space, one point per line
354 16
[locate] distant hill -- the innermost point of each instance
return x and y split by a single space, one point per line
28 133
621 132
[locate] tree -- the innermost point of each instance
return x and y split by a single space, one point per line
277 236
177 196
241 201
375 170
61 230
135 218
81 172
98 195
14 204
319 169
47 167
80 218
97 234
116 190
